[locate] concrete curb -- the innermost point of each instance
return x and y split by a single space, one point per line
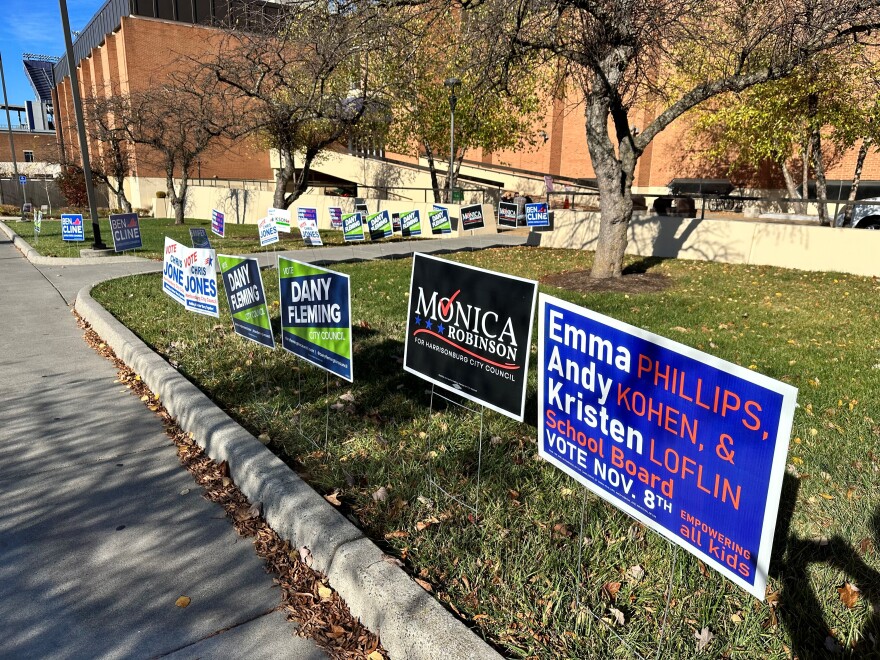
410 622
39 260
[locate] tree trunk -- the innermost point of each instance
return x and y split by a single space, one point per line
805 173
616 207
432 168
857 178
178 198
790 185
283 176
614 176
181 198
121 200
819 169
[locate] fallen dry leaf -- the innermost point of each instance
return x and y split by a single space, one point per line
324 592
396 534
255 510
337 406
849 594
636 572
618 616
264 438
348 397
704 638
427 522
380 495
305 556
424 585
375 655
562 529
611 589
333 498
335 631
183 601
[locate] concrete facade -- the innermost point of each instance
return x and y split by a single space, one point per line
805 247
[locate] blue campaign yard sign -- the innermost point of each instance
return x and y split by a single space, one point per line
690 445
335 217
72 227
537 215
199 238
218 223
126 230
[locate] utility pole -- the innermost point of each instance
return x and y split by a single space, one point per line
98 244
9 128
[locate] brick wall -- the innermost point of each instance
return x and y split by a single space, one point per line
139 56
44 146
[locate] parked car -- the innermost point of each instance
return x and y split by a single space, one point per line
864 216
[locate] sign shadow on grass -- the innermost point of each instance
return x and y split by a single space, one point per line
800 607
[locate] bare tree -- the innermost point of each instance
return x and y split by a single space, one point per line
302 77
177 122
106 124
671 55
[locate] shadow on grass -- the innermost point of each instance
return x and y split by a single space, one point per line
643 265
800 608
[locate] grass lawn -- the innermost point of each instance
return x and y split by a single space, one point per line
514 573
239 239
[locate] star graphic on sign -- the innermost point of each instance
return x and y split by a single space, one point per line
429 324
441 328
208 261
418 320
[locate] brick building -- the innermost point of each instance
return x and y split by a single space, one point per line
30 147
131 45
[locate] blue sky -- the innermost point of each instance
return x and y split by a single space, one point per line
34 26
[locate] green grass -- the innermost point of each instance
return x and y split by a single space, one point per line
515 574
239 239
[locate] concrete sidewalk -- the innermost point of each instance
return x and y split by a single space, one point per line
104 529
101 529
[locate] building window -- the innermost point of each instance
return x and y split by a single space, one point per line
29 156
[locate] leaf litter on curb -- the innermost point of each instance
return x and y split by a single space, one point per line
326 620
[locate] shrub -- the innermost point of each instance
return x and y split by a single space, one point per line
72 185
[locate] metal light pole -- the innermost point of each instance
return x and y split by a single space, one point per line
98 244
452 83
9 128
